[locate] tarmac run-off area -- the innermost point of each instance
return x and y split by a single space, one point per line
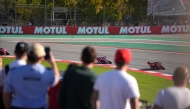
70 49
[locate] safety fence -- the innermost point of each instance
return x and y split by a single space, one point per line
20 15
95 21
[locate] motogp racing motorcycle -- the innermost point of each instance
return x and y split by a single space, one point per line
156 65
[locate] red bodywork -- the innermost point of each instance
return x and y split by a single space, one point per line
3 51
100 59
103 60
155 65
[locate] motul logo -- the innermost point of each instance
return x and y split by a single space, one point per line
50 30
10 30
133 30
176 29
93 30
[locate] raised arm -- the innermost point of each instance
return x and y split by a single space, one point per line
54 68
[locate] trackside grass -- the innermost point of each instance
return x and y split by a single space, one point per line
149 85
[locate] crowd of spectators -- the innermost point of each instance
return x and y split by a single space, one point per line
4 24
27 84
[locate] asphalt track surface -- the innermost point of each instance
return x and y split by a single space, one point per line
139 60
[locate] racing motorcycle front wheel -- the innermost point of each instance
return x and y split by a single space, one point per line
109 62
163 68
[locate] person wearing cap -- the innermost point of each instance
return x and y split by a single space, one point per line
117 89
29 83
20 52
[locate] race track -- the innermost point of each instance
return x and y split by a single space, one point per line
140 57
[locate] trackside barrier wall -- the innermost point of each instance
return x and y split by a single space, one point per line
90 30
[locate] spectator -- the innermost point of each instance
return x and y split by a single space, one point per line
152 18
77 84
178 96
29 83
1 63
52 97
116 88
53 24
29 23
53 92
4 24
20 52
1 88
137 24
127 20
66 22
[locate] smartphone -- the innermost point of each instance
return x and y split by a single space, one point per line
47 50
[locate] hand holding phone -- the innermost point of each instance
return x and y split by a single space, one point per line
47 51
50 58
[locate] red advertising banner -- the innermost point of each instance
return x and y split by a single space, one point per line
94 30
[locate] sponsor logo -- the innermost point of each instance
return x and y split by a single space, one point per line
50 30
10 30
176 29
135 30
93 30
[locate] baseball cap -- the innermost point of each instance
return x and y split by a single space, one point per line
123 55
37 49
21 47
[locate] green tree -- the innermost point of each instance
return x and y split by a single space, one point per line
117 9
90 11
29 11
113 9
139 10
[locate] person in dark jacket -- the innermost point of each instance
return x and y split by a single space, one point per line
77 84
53 91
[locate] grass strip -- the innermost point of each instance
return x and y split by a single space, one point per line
97 36
136 45
149 85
